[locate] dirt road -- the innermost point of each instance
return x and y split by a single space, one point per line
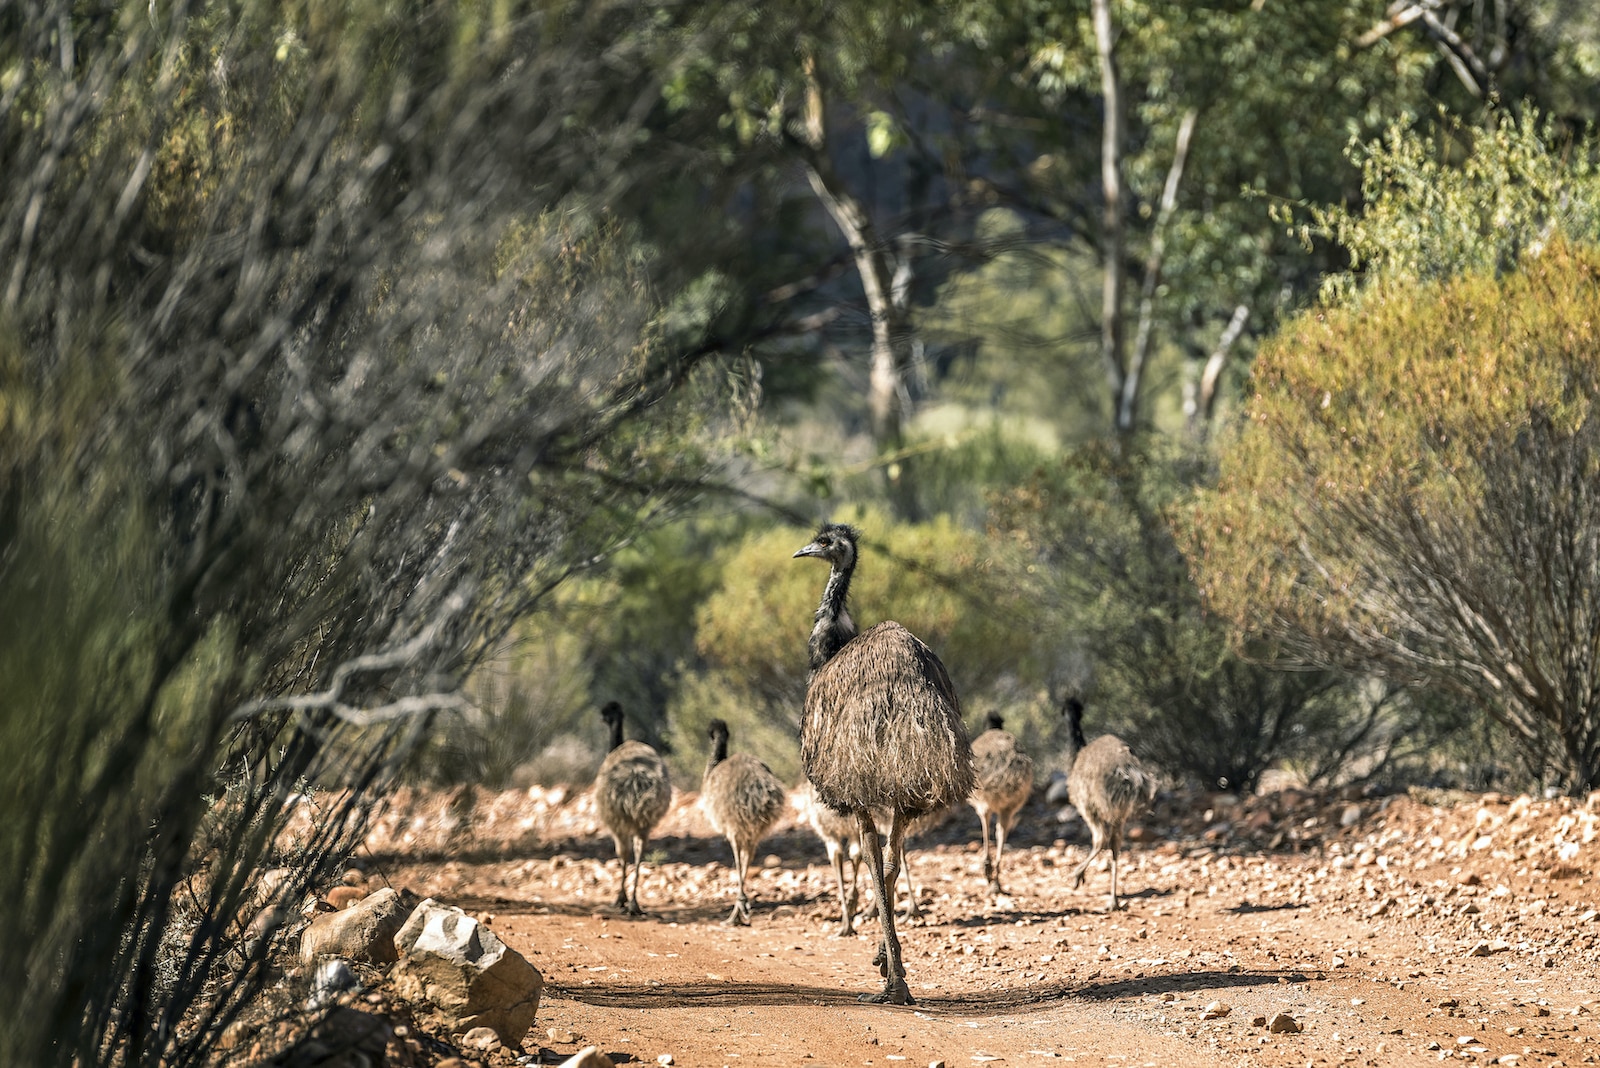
1398 931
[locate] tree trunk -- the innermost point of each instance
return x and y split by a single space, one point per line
1111 326
885 283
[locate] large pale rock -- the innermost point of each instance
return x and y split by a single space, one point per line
365 931
461 968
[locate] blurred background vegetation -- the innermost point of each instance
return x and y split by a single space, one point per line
384 387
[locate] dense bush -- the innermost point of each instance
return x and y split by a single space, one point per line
1137 643
1414 495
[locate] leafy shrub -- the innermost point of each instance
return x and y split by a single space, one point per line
1134 638
1413 495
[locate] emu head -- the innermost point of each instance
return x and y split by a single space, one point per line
717 728
835 543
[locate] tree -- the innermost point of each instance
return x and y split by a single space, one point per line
1412 494
325 356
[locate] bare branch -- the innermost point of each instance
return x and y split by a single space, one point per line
1152 273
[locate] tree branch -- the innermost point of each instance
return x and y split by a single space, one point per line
1152 274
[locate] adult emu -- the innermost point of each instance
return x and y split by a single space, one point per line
742 799
882 730
632 792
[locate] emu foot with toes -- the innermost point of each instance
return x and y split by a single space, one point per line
740 916
892 994
632 909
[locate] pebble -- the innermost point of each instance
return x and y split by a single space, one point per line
1216 1010
1283 1024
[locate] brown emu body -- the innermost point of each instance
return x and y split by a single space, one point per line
1004 780
841 837
1107 785
883 729
632 792
742 799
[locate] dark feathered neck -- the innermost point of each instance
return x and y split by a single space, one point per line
833 627
719 752
616 732
1075 727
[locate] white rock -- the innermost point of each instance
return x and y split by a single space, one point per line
462 970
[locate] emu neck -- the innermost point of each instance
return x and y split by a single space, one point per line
1075 725
833 627
616 732
719 753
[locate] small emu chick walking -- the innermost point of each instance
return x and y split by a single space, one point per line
632 793
1004 781
882 729
1107 785
841 837
742 799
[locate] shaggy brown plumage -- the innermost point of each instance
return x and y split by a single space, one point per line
742 799
882 730
1004 775
632 792
1107 785
842 839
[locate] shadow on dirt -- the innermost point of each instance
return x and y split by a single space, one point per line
1036 996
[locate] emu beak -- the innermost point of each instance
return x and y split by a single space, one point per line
810 550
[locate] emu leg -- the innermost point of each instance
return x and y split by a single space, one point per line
1116 844
914 907
999 851
895 991
988 865
638 859
1096 840
622 887
741 906
846 902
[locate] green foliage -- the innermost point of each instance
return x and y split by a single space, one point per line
1463 200
1134 639
1412 494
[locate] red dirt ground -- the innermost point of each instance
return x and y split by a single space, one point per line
1390 929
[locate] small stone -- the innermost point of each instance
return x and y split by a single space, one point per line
333 977
936 1064
1258 1020
664 1058
481 1038
1350 816
1216 1010
342 896
588 1057
354 877
560 1036
1283 1024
